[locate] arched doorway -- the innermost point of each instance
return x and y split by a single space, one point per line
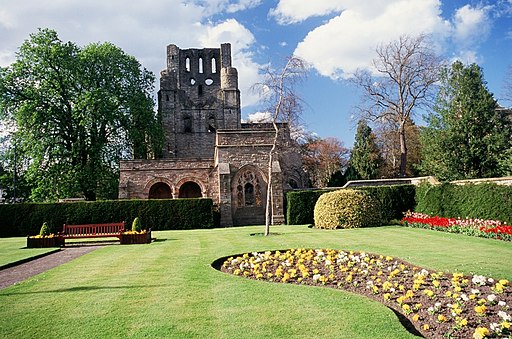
190 189
160 190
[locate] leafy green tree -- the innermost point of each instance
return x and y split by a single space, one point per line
76 112
467 135
365 158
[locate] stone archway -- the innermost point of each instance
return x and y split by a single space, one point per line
190 189
160 190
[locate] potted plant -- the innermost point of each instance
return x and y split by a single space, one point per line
137 235
44 239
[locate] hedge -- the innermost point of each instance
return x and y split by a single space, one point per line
481 201
167 214
394 200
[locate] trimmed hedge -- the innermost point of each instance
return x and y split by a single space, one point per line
165 214
481 201
300 206
394 201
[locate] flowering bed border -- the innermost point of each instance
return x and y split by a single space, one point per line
438 304
129 238
43 242
494 229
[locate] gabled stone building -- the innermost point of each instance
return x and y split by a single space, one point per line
208 151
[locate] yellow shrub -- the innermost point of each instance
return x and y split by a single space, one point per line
346 209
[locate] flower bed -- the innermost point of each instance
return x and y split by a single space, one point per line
437 304
40 241
134 237
475 227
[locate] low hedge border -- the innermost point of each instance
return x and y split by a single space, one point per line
166 214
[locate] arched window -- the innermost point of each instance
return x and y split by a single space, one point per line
214 66
248 190
212 126
201 65
187 64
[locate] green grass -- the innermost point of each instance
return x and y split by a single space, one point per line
14 249
168 288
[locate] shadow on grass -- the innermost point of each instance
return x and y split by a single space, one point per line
85 289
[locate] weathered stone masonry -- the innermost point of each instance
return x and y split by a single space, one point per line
208 152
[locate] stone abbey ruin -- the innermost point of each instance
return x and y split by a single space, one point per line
208 151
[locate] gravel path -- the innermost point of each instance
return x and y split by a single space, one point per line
12 275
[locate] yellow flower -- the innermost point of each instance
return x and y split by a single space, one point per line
441 318
480 333
416 317
387 296
506 325
425 327
480 310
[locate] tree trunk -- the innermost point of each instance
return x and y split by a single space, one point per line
403 151
269 208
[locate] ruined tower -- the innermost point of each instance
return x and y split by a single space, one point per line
198 95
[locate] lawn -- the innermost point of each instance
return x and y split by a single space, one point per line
169 289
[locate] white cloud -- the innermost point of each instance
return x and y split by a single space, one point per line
294 11
347 42
258 117
141 28
472 25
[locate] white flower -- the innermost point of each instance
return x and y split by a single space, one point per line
464 297
491 297
491 280
479 280
495 328
475 291
503 315
503 304
316 277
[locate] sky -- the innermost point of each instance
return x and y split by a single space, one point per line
335 38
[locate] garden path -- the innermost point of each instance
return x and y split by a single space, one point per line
12 275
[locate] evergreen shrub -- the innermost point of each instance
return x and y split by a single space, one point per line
476 201
347 208
163 214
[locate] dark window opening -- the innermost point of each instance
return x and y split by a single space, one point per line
160 190
249 194
187 125
200 89
190 189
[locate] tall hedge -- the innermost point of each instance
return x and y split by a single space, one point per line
166 214
394 200
300 206
482 201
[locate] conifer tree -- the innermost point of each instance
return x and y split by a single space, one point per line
365 158
467 135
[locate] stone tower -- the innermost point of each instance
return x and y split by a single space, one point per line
198 95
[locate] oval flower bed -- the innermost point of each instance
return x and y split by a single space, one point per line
475 227
438 304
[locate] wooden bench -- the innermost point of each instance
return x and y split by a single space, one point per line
91 231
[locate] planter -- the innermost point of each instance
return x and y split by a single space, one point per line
142 238
43 242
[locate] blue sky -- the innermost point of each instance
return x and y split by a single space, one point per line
334 36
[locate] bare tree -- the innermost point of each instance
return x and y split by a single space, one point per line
284 107
322 158
406 71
